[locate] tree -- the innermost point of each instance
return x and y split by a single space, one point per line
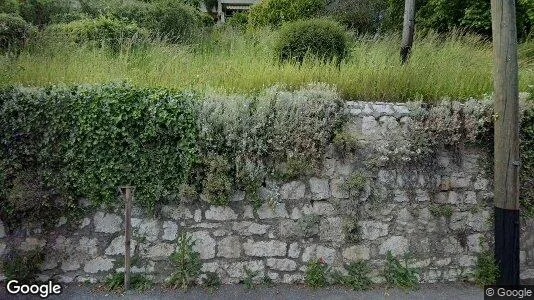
408 29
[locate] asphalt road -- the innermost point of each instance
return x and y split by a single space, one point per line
427 291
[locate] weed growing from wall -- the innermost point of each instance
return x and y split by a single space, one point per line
357 277
115 282
486 269
187 263
22 266
398 274
250 276
317 272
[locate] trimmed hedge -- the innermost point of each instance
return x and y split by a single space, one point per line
321 38
14 32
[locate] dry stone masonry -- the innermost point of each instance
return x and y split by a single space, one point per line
439 214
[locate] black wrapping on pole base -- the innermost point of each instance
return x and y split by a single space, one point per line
507 245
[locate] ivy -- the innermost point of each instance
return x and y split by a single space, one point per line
86 141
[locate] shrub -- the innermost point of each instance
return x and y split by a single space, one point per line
486 269
320 38
275 12
238 20
174 20
14 32
135 11
42 12
69 17
359 16
316 273
22 266
9 6
400 275
187 263
101 32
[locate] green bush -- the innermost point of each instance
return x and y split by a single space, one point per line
360 16
275 12
14 32
87 141
9 6
320 38
42 12
174 21
238 20
100 32
134 11
445 15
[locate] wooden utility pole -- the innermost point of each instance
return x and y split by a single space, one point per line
407 29
506 147
127 194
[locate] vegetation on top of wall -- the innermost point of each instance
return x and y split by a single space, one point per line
60 144
252 137
86 141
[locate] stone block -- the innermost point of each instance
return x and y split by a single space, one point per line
355 253
229 247
398 245
99 264
220 213
282 264
107 223
294 190
248 228
204 244
265 248
371 230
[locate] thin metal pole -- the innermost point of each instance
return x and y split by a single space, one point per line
127 192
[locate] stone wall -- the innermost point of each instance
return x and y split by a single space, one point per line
439 213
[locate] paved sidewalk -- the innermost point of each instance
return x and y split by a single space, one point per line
427 291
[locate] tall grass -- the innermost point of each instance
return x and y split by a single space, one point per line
230 61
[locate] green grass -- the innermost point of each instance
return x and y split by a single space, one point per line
233 62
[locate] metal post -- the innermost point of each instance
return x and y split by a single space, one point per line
127 193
